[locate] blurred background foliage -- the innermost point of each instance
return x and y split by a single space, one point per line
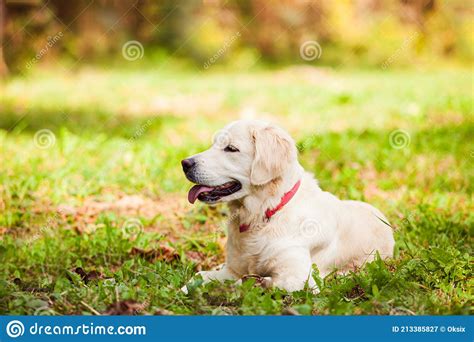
361 33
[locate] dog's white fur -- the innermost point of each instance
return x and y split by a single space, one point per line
314 227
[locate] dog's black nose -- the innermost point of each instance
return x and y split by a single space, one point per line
187 164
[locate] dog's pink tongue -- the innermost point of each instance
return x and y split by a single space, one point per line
195 191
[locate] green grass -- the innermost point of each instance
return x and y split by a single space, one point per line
120 134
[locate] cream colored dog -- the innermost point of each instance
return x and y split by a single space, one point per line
281 221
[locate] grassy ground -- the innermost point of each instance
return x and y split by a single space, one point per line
93 212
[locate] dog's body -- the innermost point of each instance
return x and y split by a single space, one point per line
312 226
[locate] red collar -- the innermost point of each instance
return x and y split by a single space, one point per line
270 212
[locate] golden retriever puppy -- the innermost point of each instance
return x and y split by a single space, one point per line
281 221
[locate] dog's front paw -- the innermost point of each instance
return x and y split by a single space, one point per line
207 275
219 275
184 289
292 284
196 280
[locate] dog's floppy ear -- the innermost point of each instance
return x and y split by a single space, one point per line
274 151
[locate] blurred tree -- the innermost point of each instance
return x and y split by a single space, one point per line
278 30
3 65
415 11
357 32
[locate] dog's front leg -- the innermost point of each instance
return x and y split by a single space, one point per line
293 270
221 274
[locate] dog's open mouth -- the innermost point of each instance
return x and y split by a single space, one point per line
211 194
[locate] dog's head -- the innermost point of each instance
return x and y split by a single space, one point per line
245 154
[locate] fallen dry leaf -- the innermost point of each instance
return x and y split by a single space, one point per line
162 253
290 312
26 287
88 276
163 312
125 307
196 257
355 293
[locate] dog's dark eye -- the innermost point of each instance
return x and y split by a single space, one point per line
231 148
